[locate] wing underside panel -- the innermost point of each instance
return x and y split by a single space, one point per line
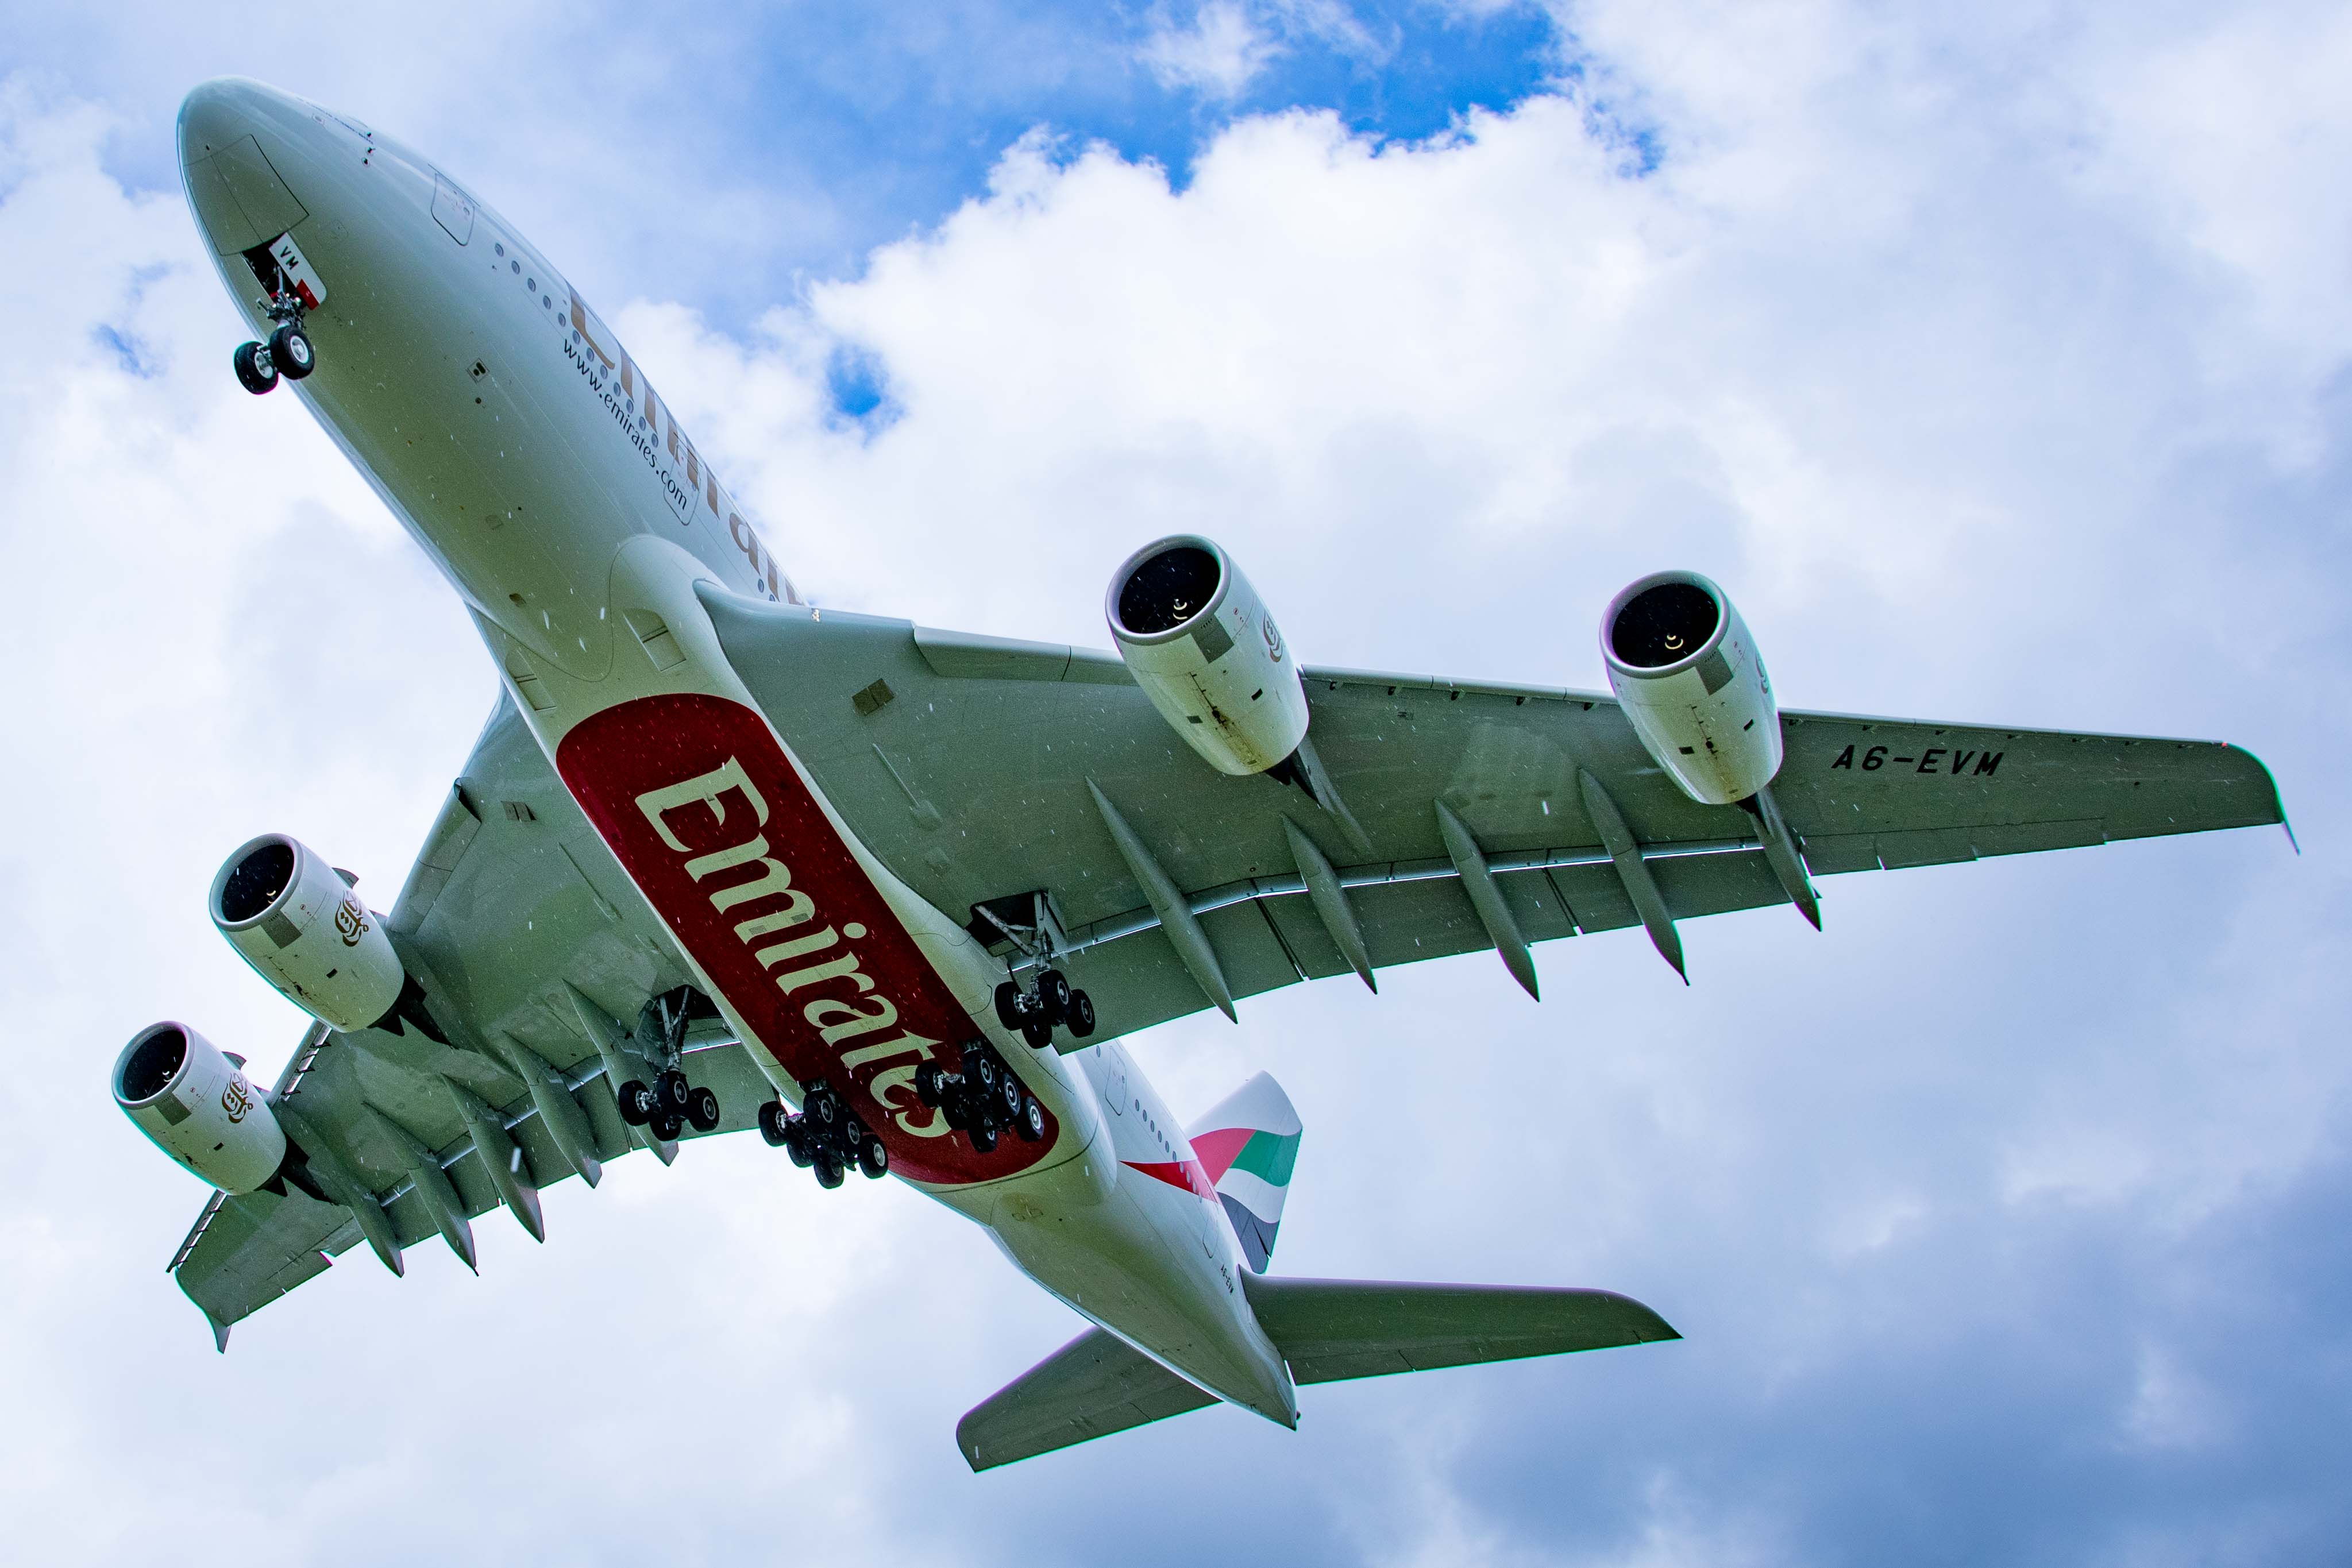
969 765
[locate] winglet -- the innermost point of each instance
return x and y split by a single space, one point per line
2278 801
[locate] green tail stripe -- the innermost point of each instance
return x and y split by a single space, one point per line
1269 1156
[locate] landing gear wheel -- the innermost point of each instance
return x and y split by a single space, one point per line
984 1138
982 1071
1038 1033
1031 1124
873 1159
1052 995
773 1118
1008 995
958 1112
255 373
796 1142
828 1171
637 1105
290 352
821 1110
702 1110
673 1092
666 1125
1006 1104
1081 1017
930 1084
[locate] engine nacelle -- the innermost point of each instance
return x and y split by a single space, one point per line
296 920
199 1108
1199 641
1686 673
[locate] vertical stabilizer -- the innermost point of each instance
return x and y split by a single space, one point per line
1248 1142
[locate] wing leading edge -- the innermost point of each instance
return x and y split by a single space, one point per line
513 917
982 769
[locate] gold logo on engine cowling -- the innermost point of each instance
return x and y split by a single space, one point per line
350 920
237 1098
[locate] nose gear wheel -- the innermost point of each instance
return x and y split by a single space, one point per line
288 353
255 371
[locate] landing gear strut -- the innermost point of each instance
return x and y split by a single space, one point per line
1028 922
1035 1013
825 1136
671 1101
983 1100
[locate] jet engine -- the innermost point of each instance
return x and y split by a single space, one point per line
1199 641
199 1108
1687 675
295 919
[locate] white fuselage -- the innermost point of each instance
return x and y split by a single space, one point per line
507 429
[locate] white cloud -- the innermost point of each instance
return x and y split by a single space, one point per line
1220 53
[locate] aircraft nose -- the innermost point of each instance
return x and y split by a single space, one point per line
228 128
217 113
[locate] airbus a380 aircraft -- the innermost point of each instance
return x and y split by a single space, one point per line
722 859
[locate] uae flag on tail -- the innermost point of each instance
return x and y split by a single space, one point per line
1248 1142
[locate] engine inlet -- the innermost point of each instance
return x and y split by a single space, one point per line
1664 625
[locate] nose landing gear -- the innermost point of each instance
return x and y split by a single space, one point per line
288 352
827 1136
1035 1013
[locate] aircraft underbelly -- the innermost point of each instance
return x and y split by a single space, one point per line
1131 1266
508 450
517 483
730 844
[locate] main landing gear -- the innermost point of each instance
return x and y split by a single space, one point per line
826 1135
670 1103
983 1100
1035 1013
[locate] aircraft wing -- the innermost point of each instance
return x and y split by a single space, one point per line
983 769
512 898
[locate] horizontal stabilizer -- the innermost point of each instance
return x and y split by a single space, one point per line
1092 1386
1333 1330
1328 1331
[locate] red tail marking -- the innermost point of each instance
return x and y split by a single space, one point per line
1220 1149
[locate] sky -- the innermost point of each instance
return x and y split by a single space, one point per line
1995 358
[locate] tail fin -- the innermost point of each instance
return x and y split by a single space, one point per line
1248 1142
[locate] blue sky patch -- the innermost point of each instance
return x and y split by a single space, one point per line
859 388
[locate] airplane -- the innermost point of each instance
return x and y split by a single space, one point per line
892 895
